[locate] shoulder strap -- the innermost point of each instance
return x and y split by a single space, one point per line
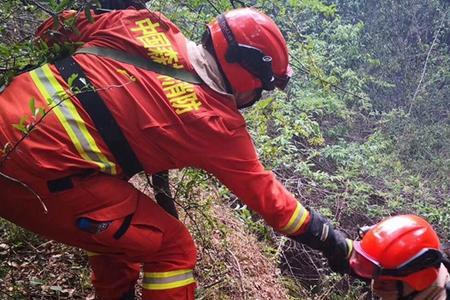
101 116
142 62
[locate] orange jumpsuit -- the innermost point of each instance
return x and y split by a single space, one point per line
168 123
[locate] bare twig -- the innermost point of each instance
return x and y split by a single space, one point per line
233 4
27 188
40 6
291 270
241 275
425 66
214 7
7 295
330 289
30 129
323 81
215 282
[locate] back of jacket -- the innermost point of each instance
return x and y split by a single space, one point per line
168 123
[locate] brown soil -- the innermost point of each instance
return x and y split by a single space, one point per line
249 270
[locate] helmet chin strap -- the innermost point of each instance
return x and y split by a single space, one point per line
209 46
401 290
254 100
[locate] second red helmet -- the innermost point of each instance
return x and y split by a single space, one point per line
403 248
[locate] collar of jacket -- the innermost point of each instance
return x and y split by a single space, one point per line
206 67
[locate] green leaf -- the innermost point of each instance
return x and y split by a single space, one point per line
76 30
56 48
22 120
70 21
63 5
71 79
21 126
87 11
264 103
55 22
53 4
32 105
40 112
43 45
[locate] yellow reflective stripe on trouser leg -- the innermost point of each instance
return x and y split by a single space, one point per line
296 221
167 280
69 117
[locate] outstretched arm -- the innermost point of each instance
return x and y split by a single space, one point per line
236 165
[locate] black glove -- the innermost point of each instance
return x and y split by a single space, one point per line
320 235
128 295
115 4
121 4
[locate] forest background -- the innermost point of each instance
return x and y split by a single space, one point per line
362 132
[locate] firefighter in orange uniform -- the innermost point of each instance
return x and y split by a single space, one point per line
109 117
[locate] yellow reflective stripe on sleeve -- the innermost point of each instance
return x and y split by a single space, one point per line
69 117
296 221
167 280
90 254
350 247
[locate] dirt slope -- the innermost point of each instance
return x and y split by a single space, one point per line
250 275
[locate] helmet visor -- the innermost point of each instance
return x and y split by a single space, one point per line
362 264
255 62
282 81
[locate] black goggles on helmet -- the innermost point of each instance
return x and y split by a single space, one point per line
252 59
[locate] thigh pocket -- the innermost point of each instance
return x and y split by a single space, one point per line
122 230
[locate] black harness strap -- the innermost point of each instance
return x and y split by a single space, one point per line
108 127
162 192
124 227
101 116
59 185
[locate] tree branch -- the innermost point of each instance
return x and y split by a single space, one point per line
425 67
40 6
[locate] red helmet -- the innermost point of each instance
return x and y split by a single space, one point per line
251 50
404 248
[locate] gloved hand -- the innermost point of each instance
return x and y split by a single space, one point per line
320 235
338 259
115 4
